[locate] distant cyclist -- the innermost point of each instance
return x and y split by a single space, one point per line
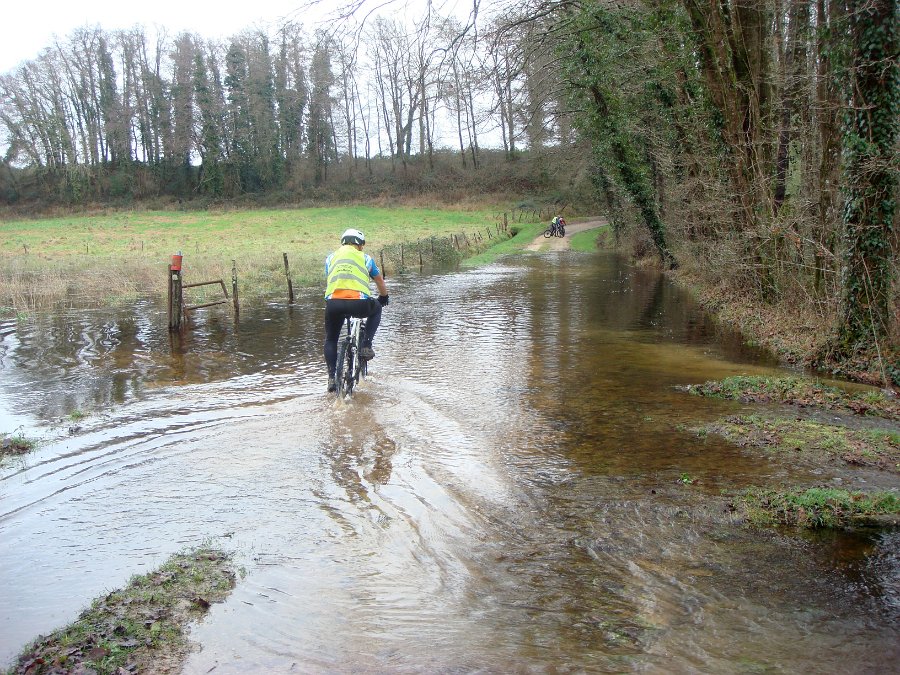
347 274
558 224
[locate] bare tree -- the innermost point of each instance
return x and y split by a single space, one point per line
345 51
505 66
399 81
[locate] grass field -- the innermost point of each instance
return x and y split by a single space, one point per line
524 236
227 233
586 242
102 258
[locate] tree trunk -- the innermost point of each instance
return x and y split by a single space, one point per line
828 104
870 141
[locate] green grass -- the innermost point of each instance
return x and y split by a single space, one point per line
141 628
12 312
819 507
799 391
230 234
858 447
524 235
15 444
586 241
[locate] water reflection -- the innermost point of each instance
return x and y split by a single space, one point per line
501 495
86 362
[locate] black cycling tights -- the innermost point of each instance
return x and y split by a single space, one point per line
336 311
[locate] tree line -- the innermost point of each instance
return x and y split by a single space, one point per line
104 114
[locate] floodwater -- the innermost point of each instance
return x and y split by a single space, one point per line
502 494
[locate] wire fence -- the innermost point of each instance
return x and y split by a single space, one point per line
444 251
437 252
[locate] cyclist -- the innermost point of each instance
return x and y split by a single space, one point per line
347 293
557 223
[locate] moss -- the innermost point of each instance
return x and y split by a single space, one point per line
849 442
859 447
819 507
141 628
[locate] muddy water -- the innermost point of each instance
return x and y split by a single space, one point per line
502 494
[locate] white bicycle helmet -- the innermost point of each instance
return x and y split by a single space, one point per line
352 236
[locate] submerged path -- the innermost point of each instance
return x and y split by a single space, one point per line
519 486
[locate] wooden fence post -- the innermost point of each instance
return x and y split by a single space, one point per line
234 288
175 299
287 273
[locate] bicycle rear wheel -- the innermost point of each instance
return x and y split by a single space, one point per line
548 232
562 231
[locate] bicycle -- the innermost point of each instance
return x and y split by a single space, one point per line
555 230
350 365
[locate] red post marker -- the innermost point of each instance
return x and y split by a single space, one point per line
176 263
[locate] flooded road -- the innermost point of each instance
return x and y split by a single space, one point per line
501 495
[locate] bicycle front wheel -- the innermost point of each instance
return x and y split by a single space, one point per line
351 370
548 233
341 367
361 365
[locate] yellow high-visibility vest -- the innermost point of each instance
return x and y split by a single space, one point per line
347 271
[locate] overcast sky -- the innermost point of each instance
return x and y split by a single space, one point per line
29 25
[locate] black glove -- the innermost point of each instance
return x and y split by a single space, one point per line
383 300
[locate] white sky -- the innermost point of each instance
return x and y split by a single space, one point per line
28 26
